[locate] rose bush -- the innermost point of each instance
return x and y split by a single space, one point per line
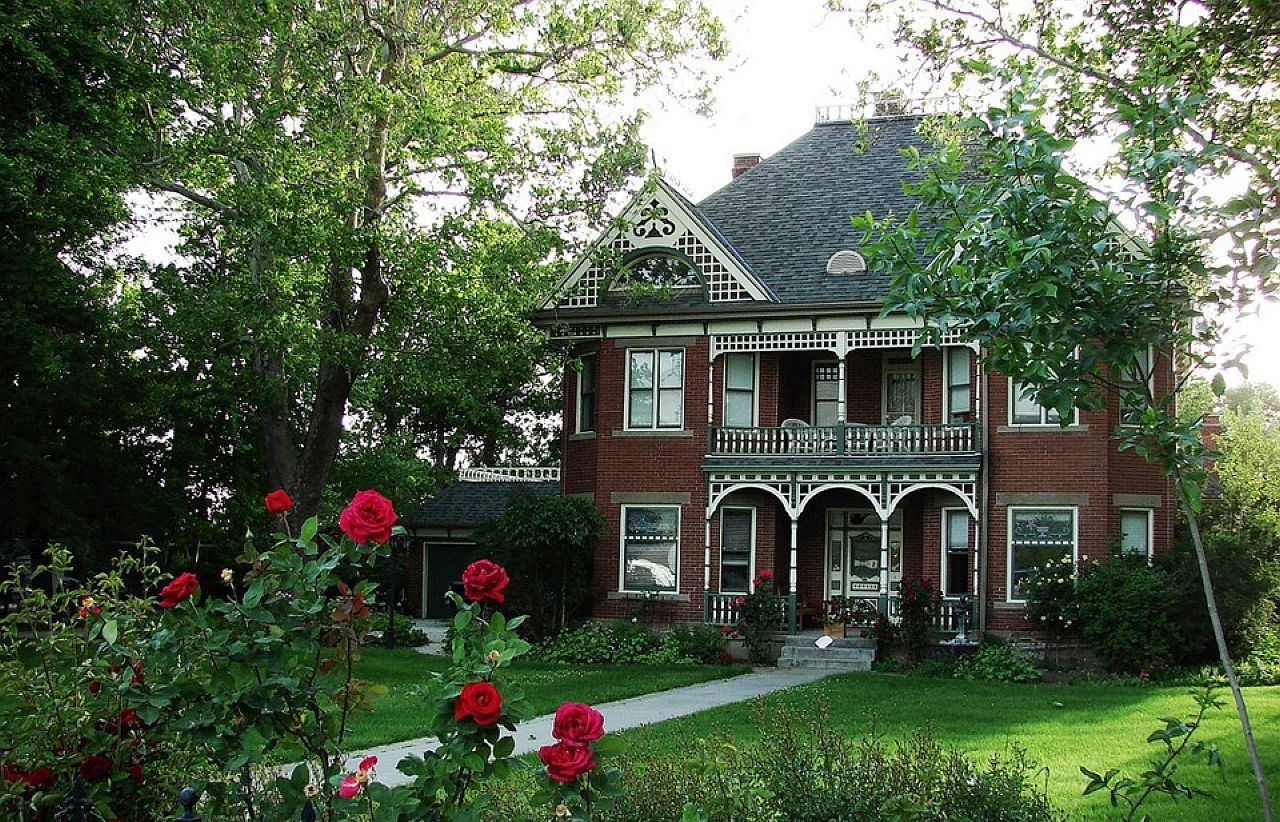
182 587
571 778
278 501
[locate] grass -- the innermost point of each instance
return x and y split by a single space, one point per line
398 715
1060 726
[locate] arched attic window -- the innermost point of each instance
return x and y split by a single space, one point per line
657 269
846 262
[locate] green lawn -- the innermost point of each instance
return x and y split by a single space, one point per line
399 715
1060 726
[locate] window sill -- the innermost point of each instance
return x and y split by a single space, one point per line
652 432
582 435
1009 606
659 596
1053 428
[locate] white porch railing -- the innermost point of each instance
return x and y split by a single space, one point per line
509 474
848 439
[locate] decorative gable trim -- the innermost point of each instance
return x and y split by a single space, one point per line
659 218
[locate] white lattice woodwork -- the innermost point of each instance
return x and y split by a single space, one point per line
509 474
797 341
721 286
884 489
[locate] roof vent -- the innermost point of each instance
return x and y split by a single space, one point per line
846 262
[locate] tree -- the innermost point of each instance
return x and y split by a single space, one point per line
1023 257
323 150
73 423
1178 99
547 542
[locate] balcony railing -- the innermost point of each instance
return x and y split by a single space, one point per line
846 439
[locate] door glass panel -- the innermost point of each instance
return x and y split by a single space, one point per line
864 557
902 392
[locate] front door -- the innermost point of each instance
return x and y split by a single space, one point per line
853 553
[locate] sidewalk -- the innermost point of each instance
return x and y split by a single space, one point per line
618 716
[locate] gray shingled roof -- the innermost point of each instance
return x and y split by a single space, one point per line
473 503
789 214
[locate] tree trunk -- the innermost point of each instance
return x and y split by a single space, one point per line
1193 523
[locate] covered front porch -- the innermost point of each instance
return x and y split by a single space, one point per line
853 536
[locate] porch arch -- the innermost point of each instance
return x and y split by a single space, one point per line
721 493
817 491
967 499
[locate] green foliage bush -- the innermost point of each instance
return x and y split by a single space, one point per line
1124 614
547 543
919 602
701 643
760 617
1053 604
613 643
997 661
407 635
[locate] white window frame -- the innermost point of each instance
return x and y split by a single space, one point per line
1150 517
968 538
1150 377
655 388
751 554
1045 422
813 389
588 360
1008 558
755 387
948 412
622 548
887 368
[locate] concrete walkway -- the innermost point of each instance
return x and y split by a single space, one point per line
618 716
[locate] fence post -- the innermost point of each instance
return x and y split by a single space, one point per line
187 798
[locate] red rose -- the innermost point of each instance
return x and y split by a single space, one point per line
368 518
479 701
42 778
566 761
13 773
578 723
484 580
279 501
95 768
183 586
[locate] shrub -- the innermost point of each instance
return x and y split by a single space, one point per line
1053 603
547 543
804 769
1124 617
997 661
615 643
760 617
919 603
701 643
407 635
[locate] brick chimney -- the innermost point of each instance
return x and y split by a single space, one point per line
742 162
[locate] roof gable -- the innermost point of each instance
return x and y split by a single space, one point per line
660 219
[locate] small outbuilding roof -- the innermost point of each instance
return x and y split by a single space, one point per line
473 503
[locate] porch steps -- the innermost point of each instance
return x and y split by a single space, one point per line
841 655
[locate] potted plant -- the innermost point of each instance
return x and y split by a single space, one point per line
834 613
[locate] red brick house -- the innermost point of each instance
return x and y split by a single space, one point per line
736 403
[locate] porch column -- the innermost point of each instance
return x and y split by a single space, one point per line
706 554
841 412
791 581
884 565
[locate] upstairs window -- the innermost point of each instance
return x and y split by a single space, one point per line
1024 410
826 393
586 417
655 388
739 390
1134 384
958 384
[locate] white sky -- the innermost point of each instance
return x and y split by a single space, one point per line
788 57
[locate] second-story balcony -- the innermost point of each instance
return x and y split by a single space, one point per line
796 441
